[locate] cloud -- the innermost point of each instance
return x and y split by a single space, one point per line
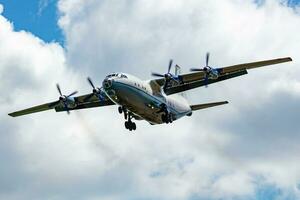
222 153
43 4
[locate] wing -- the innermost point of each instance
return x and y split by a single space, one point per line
40 108
201 82
194 80
82 102
86 105
255 65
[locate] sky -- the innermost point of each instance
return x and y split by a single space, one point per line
247 150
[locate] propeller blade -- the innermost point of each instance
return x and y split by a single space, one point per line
58 88
170 66
207 58
73 93
66 107
91 82
206 81
157 74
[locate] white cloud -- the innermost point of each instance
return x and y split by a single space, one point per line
1 8
90 155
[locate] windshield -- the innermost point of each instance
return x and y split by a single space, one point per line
117 75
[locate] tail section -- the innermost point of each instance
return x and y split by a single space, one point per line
208 105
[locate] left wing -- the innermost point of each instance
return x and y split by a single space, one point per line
195 84
81 103
197 79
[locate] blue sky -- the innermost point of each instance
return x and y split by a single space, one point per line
36 16
40 17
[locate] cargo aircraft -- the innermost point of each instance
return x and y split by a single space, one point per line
157 101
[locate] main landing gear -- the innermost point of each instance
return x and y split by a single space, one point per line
131 126
166 117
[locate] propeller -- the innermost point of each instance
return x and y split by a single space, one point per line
63 99
206 69
96 91
168 76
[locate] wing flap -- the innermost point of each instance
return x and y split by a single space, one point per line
207 105
255 64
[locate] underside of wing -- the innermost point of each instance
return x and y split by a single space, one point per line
252 65
40 108
86 105
195 84
207 105
80 102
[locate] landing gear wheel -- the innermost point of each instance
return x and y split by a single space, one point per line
133 126
126 125
130 125
120 109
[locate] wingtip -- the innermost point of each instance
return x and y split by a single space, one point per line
11 115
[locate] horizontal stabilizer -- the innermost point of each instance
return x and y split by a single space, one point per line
207 105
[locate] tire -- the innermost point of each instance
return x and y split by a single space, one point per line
120 110
133 126
126 125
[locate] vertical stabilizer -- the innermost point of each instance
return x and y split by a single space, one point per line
177 73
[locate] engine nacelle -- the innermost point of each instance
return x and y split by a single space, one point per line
214 74
71 102
68 101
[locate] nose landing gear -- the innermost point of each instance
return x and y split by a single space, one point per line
131 126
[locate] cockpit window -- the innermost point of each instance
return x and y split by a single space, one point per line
117 75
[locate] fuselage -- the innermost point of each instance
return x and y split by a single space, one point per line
139 98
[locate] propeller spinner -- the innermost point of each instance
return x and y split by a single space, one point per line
168 76
209 71
64 99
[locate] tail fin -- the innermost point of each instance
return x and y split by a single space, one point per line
208 105
178 72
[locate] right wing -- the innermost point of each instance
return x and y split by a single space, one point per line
40 108
81 103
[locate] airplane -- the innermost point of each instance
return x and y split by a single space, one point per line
157 101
